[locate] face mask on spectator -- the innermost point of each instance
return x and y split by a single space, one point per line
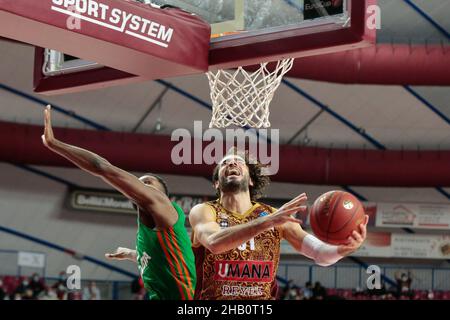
25 283
61 287
35 278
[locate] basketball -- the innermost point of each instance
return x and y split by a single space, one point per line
335 215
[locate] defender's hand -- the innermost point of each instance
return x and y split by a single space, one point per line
355 240
122 254
47 137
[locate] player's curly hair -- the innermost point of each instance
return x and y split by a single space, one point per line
260 181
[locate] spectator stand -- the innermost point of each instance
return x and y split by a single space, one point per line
108 290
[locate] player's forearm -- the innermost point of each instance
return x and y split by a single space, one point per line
123 254
322 253
82 158
232 237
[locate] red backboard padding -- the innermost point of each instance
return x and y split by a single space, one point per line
124 35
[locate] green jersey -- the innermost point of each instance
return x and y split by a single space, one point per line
166 261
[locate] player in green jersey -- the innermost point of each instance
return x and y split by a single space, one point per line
163 248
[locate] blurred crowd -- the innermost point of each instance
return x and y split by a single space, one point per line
308 292
401 290
36 288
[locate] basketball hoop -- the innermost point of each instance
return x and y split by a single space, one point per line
243 97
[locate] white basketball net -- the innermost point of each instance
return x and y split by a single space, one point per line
242 98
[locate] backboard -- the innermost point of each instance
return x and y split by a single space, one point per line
232 19
243 33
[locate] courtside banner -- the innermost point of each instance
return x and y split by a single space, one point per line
101 200
398 245
125 35
413 215
96 200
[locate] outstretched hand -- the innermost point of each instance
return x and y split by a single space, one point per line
284 214
48 137
122 254
355 240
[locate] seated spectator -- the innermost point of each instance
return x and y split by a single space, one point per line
2 291
378 292
299 294
285 291
28 295
48 294
61 286
308 291
319 292
91 292
290 284
16 296
291 294
22 287
404 281
358 291
36 285
390 296
75 295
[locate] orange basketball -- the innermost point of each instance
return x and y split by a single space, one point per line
334 215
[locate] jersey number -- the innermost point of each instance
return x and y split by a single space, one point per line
243 246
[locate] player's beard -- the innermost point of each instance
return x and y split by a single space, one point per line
233 186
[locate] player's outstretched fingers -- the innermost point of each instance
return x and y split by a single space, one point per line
357 236
290 211
351 242
295 200
299 200
363 227
47 114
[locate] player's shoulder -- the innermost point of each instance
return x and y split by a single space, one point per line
201 210
204 206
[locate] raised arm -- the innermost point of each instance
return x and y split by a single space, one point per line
146 197
322 253
209 233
